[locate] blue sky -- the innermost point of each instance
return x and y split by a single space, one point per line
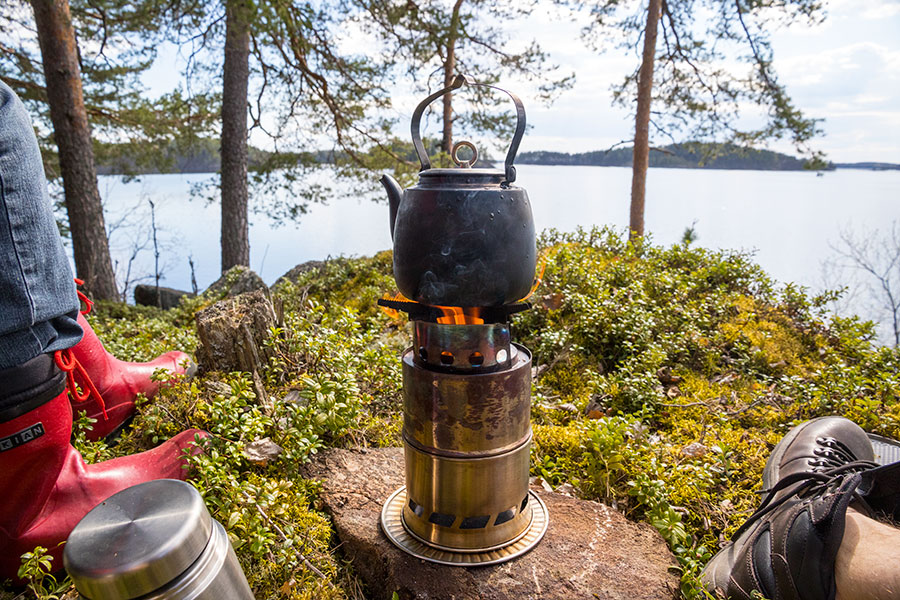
845 70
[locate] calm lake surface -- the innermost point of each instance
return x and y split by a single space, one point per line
789 219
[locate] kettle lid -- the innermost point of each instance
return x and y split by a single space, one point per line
463 176
465 173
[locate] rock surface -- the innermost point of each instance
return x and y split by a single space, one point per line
590 551
298 270
237 280
145 295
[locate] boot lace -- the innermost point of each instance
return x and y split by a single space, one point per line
66 361
88 303
809 483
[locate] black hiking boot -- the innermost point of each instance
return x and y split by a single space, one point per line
787 548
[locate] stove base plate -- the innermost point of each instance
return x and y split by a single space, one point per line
392 525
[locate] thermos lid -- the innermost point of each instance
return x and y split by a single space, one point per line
137 540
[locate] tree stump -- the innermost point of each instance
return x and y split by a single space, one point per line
233 333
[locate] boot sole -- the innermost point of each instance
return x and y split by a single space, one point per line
887 451
717 572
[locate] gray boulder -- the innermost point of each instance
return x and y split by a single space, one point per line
237 280
145 295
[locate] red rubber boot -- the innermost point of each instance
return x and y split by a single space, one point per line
115 382
48 488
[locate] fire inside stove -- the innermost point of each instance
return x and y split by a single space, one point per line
467 439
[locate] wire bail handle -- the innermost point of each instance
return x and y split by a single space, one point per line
458 82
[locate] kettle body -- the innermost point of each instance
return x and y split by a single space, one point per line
462 236
469 243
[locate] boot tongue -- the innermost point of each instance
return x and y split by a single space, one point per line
137 540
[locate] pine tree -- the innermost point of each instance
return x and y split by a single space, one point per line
681 73
81 99
283 69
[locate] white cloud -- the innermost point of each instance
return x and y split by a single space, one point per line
865 9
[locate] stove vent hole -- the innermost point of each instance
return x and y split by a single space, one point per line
502 355
506 515
423 353
476 359
524 504
416 508
442 519
475 522
446 358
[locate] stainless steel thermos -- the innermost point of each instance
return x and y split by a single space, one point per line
155 540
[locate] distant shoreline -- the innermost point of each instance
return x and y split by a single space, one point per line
835 167
695 155
204 159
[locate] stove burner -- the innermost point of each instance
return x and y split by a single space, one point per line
467 442
427 312
463 348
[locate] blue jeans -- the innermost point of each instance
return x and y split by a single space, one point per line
38 303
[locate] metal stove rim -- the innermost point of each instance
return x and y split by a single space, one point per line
391 519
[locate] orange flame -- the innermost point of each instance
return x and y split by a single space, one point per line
456 315
539 275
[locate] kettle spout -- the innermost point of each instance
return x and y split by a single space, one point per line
395 194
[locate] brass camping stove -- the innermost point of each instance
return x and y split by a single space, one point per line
467 439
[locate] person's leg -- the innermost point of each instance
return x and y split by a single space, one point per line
805 540
47 487
39 308
867 566
38 304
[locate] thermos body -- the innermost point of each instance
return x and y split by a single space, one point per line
154 541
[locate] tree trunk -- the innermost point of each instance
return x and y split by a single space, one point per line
235 229
72 134
449 73
641 154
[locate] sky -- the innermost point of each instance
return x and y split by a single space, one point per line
845 71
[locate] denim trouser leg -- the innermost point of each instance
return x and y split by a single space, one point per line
38 303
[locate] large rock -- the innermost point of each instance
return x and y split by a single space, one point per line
590 551
294 273
163 297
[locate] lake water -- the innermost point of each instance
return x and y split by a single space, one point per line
789 219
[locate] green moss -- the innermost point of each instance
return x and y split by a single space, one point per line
140 333
694 360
